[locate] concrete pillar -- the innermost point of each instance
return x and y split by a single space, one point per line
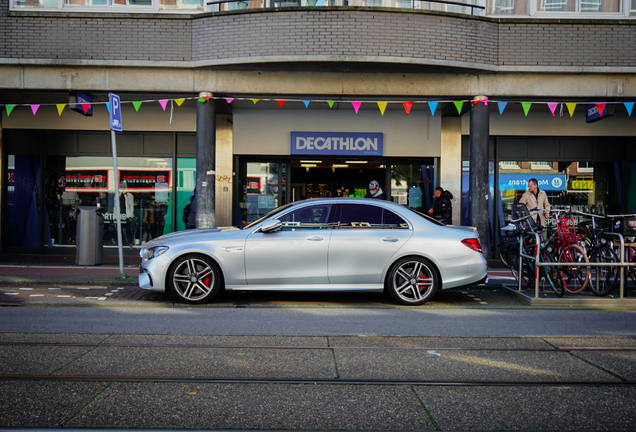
478 175
206 155
224 170
450 168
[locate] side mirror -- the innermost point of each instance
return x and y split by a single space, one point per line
271 226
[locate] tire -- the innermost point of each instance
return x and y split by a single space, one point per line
194 279
527 274
575 278
630 255
604 279
412 281
552 273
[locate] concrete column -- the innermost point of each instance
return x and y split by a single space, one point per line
450 168
224 170
478 175
206 158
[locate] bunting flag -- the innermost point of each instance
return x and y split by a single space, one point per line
9 108
552 106
433 107
571 108
459 105
201 99
407 107
85 108
108 107
526 107
306 103
502 107
281 103
60 108
255 101
382 106
229 100
629 106
138 104
34 108
330 104
163 103
356 106
180 101
600 106
484 100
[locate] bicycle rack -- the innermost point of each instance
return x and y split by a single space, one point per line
622 264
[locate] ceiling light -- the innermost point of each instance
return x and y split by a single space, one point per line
314 162
356 162
308 165
340 166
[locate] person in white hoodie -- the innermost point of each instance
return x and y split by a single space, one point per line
375 191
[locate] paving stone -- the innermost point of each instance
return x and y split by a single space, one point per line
53 337
204 362
42 404
308 341
254 406
432 365
36 360
437 342
595 342
622 363
531 408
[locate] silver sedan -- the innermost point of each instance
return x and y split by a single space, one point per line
344 244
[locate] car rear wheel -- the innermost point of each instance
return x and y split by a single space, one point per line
194 279
412 281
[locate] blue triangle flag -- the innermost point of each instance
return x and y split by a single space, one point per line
306 103
502 107
433 107
108 106
629 106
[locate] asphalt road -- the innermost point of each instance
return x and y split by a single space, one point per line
423 321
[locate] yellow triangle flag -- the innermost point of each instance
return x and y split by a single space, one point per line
255 100
60 108
179 101
571 107
382 106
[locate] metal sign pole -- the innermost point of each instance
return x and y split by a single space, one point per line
117 210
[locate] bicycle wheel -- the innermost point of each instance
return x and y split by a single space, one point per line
604 279
552 273
630 256
575 278
513 261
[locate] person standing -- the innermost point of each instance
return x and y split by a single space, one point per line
536 198
375 191
442 206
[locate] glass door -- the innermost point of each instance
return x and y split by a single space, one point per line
263 187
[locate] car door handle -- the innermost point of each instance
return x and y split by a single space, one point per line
315 238
390 239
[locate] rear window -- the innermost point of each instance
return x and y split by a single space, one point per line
427 217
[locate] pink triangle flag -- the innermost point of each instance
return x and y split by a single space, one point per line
163 103
85 107
229 100
34 108
552 106
356 106
600 106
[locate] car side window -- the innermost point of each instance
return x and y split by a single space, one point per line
306 218
393 221
360 216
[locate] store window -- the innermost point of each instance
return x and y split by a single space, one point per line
186 180
414 186
307 218
263 184
145 192
23 198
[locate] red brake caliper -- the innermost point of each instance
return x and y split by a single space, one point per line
207 280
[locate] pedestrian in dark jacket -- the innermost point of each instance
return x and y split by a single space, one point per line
442 207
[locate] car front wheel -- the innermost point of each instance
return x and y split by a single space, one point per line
412 281
194 279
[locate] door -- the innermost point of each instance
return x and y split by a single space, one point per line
297 254
364 239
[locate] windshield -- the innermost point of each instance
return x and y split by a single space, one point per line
270 214
427 217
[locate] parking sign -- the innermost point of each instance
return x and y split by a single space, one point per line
115 112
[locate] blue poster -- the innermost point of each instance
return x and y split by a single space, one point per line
415 197
336 143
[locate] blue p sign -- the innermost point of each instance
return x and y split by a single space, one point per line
115 112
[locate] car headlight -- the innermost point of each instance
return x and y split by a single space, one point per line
153 252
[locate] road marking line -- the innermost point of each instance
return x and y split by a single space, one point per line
483 302
477 299
102 298
26 289
109 294
12 293
36 295
64 296
55 288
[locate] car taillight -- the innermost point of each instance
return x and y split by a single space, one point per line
472 243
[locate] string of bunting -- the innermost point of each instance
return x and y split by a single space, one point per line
382 105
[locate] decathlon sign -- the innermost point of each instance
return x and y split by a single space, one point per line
336 143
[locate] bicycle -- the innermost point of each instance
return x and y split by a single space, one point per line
566 248
626 227
602 279
529 271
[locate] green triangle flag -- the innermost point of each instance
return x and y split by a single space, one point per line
459 105
526 107
136 105
330 104
9 109
202 100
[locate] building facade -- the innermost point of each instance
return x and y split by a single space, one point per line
309 99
